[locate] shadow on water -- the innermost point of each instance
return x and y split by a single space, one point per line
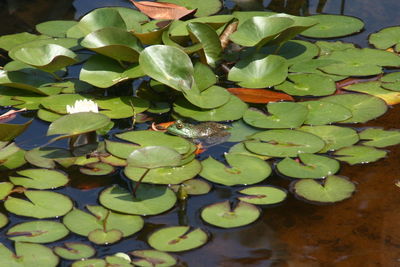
361 231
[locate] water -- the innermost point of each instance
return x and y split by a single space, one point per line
361 231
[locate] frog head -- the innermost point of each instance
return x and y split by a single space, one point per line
181 129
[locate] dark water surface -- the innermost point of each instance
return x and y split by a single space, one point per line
361 231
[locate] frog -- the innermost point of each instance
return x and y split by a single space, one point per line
205 133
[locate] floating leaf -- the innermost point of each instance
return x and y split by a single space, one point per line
241 131
359 154
386 38
263 195
151 157
326 48
310 166
374 88
212 97
55 28
329 26
313 65
204 8
162 10
152 258
74 251
308 84
8 42
149 200
241 170
335 137
284 143
283 115
90 263
9 131
259 96
122 107
193 187
97 168
46 157
380 137
332 189
11 156
204 76
101 237
241 149
321 112
223 215
259 71
363 107
177 238
27 254
37 232
41 204
32 82
3 220
40 178
5 189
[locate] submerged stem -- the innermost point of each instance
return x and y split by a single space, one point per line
139 182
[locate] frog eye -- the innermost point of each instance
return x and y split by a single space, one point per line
179 125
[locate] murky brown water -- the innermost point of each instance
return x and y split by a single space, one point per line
361 231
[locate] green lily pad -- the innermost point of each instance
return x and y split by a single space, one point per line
223 215
240 131
283 115
179 28
8 42
241 149
120 150
242 169
330 26
27 254
122 106
204 8
9 131
380 137
177 238
164 175
321 112
114 42
360 62
152 138
55 28
89 263
49 57
391 81
284 143
119 259
47 157
101 237
212 97
193 187
330 190
308 84
263 195
11 156
3 220
77 123
41 204
151 32
31 82
168 65
326 48
149 200
37 232
232 110
386 38
335 137
374 88
313 65
5 189
310 166
97 168
151 157
105 72
40 178
259 71
204 76
29 102
74 251
363 107
103 220
359 154
152 258
258 31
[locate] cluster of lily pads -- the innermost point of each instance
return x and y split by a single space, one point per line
181 69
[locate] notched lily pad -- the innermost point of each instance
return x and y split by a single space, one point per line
386 38
152 258
100 237
380 137
359 154
37 231
193 187
40 178
74 251
97 168
263 195
223 215
177 238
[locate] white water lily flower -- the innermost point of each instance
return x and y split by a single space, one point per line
84 105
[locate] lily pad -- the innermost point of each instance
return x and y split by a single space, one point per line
204 8
11 156
326 48
55 28
101 237
240 148
241 131
283 115
308 84
165 175
119 149
263 195
9 131
313 65
150 258
27 254
242 169
74 251
380 137
31 82
223 215
259 71
335 137
122 107
310 166
363 107
212 97
321 112
330 26
37 232
5 189
330 190
284 143
193 187
89 263
151 157
177 238
114 42
40 178
3 220
359 154
149 200
41 204
386 38
374 88
97 168
9 41
46 157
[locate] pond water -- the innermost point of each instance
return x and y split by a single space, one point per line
361 231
